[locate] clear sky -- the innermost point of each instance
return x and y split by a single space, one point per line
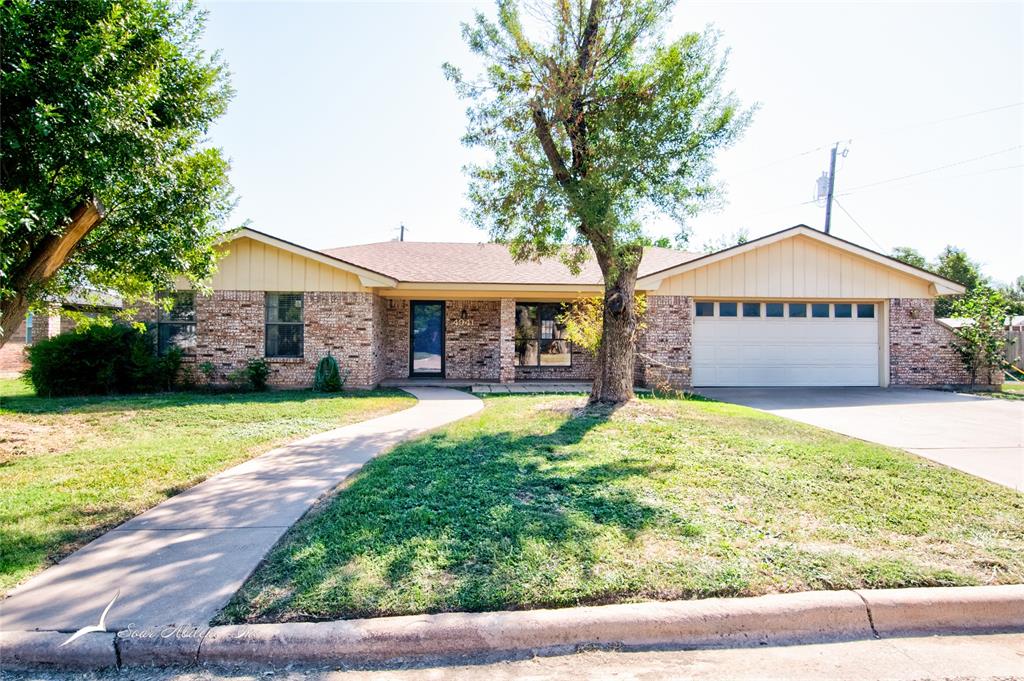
343 126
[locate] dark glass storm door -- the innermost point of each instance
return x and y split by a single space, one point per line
426 339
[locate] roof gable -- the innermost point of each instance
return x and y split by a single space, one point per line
367 277
939 285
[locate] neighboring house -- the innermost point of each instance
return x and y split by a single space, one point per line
797 307
37 327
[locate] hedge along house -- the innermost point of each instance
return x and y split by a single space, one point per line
795 308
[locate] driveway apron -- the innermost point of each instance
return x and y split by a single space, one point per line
982 436
180 562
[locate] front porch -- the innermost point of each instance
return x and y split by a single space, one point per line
479 343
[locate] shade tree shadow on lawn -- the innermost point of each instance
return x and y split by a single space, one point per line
492 509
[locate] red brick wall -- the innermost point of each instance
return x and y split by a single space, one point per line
395 338
921 350
472 347
230 331
664 346
12 354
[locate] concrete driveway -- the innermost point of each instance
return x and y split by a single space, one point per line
979 435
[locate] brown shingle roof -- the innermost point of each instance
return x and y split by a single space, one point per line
449 263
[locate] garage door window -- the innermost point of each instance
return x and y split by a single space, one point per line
773 309
751 309
819 310
705 309
843 310
727 309
798 309
866 310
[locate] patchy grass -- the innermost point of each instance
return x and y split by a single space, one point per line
1011 391
72 468
537 502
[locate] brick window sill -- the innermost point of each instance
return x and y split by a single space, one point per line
285 360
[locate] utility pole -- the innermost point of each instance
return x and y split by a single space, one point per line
831 188
401 232
827 185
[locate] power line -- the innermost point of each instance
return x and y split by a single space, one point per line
883 132
860 226
932 170
946 177
806 203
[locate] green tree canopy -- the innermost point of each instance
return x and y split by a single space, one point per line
952 263
910 256
106 180
593 122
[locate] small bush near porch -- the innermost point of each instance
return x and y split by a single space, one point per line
536 503
74 467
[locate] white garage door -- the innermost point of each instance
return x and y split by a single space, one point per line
780 344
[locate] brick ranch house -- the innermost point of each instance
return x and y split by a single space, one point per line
795 308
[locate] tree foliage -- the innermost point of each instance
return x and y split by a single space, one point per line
952 263
980 343
583 321
106 181
593 122
737 238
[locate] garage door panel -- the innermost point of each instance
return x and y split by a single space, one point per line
784 351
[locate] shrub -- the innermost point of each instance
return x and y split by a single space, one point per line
209 372
253 375
101 359
328 378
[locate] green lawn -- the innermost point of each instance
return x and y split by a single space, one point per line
534 503
72 468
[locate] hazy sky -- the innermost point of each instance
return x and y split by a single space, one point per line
343 126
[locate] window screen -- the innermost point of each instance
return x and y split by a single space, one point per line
284 324
176 326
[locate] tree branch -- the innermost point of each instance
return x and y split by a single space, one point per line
542 127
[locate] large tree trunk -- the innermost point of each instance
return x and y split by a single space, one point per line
617 356
43 262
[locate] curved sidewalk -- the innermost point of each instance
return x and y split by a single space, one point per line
181 561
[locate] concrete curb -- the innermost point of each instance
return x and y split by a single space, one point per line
718 622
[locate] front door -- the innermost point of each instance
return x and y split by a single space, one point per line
426 339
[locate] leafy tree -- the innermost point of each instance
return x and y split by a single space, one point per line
910 256
105 178
954 264
1014 294
583 320
593 122
980 343
737 238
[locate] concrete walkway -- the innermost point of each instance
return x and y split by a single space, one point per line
181 561
982 436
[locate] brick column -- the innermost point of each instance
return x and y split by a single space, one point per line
506 341
50 329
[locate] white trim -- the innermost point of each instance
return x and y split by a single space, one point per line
940 285
367 278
